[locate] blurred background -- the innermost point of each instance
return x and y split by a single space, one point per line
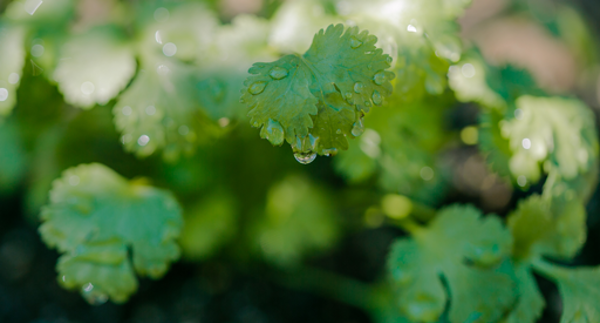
238 255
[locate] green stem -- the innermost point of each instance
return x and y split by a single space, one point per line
332 285
548 270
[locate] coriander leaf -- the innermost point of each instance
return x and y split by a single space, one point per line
41 13
469 253
94 217
558 134
12 60
579 289
160 110
315 95
298 219
553 227
468 81
94 67
530 301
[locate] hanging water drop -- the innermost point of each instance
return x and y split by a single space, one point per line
355 43
313 141
305 158
92 295
257 87
273 131
377 98
278 73
389 59
339 131
358 128
358 87
330 152
379 78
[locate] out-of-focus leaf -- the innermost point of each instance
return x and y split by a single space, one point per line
94 67
94 217
224 67
579 289
468 80
314 101
298 220
12 60
558 134
469 252
208 225
548 227
41 12
530 300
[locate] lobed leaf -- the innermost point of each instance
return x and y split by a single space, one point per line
469 253
107 227
314 101
94 67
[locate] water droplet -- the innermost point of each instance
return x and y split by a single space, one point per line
526 143
468 70
273 131
14 78
126 110
305 158
278 73
368 104
87 88
313 141
389 59
223 122
162 70
257 87
3 94
150 110
161 14
379 78
37 50
358 87
157 37
169 49
330 152
355 43
143 140
339 131
411 29
358 128
522 181
377 98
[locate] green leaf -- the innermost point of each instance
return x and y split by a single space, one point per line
94 67
298 220
469 253
12 60
468 80
553 227
41 13
99 221
558 134
579 289
208 225
530 301
313 101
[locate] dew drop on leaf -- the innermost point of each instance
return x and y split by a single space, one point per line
273 132
377 98
339 131
379 78
368 104
257 87
278 73
355 43
389 59
358 87
305 158
330 152
358 128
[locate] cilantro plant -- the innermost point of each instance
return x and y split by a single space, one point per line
132 138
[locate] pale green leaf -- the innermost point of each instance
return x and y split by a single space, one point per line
313 101
542 135
553 227
106 227
41 12
94 67
298 220
579 289
12 60
468 81
469 253
208 225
